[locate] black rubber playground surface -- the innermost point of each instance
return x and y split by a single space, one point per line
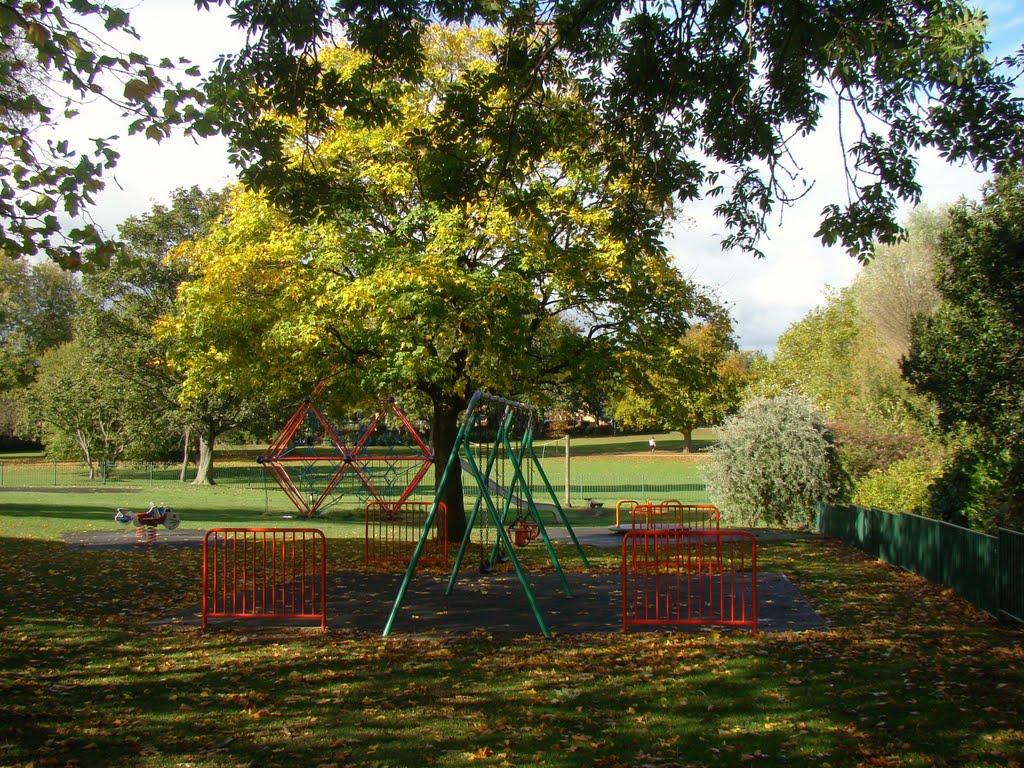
494 603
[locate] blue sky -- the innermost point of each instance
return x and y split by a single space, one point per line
765 296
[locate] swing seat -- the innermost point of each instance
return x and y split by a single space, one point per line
522 533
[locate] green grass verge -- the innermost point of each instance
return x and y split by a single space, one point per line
908 675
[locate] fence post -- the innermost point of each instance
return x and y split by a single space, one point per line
55 473
568 487
1 473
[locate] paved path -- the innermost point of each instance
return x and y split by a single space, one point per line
494 603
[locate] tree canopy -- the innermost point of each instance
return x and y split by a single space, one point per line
967 354
693 99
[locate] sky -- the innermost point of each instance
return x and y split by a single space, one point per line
764 295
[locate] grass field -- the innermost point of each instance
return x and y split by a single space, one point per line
601 470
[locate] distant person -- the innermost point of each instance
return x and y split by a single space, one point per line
652 444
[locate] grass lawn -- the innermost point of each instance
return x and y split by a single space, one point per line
908 675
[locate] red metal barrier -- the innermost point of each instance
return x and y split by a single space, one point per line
685 577
265 573
394 528
672 514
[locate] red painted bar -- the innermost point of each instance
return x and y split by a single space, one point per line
672 514
394 528
689 577
276 573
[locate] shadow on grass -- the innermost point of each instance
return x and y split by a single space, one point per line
909 677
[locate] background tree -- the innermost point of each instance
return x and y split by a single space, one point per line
54 56
695 379
897 285
773 461
37 304
442 261
120 308
695 100
967 355
845 357
80 407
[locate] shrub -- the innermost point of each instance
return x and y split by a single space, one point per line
774 459
903 486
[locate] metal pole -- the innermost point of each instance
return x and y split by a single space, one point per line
568 475
558 507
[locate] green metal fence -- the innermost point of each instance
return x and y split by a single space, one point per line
1011 569
16 474
987 571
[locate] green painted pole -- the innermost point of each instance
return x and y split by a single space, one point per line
558 507
532 506
503 536
481 481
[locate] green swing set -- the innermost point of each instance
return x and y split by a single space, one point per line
525 526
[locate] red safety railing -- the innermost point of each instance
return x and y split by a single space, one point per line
394 528
688 577
674 514
265 573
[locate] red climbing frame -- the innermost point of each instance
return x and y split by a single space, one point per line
282 461
688 577
265 573
394 528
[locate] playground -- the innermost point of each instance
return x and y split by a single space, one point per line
853 663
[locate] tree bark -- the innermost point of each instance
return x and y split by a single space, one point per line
204 464
83 446
444 428
187 439
687 440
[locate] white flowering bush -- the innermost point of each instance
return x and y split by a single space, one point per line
772 462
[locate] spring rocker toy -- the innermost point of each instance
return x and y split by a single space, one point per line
146 522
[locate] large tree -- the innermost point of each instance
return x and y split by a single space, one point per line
441 261
967 355
702 98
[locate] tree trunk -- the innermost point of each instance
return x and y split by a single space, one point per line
204 464
687 440
187 439
83 446
444 428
